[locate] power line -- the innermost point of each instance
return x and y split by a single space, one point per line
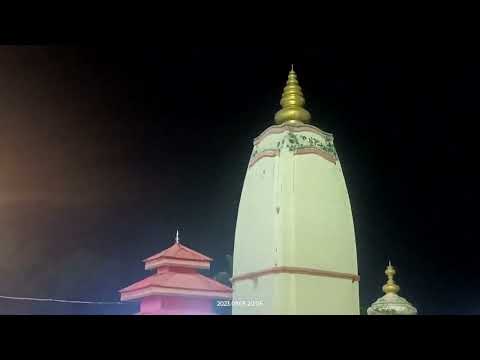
63 300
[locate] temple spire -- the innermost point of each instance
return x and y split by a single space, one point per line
177 238
390 287
391 303
292 102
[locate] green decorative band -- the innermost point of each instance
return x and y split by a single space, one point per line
294 142
278 129
256 156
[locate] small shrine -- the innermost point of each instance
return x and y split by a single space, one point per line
391 303
177 288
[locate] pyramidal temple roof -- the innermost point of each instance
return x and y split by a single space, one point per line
181 252
179 280
176 275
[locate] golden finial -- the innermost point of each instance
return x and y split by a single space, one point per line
292 102
390 287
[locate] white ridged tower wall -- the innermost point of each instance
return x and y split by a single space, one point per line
294 247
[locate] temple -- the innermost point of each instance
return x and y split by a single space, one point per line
391 303
176 288
295 249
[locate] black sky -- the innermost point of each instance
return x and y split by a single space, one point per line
104 152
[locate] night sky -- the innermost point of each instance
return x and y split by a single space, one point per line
104 152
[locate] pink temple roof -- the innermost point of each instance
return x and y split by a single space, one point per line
178 251
179 280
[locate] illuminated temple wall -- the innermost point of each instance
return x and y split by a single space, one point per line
295 227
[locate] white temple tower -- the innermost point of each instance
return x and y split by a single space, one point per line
295 247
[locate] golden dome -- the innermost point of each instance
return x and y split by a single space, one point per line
292 102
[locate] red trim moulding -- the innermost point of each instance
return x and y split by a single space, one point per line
295 270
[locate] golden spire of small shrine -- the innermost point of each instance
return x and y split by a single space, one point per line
177 238
390 287
292 102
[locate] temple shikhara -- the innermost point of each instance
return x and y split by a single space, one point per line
295 250
177 288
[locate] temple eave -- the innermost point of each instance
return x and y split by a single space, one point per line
163 262
164 291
